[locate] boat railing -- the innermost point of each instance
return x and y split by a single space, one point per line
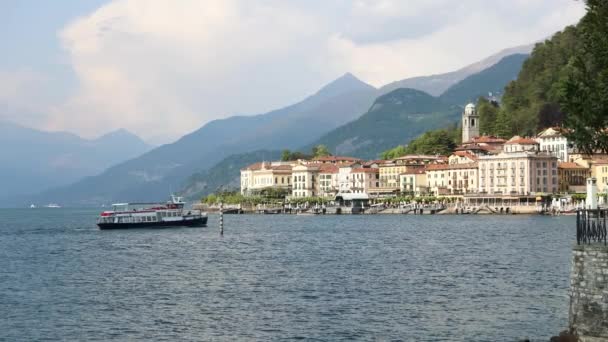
591 226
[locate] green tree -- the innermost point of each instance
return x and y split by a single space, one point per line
584 87
441 141
393 153
503 127
320 151
286 155
488 112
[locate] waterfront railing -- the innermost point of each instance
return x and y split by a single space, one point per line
591 226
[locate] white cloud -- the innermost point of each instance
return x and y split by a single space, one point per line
161 68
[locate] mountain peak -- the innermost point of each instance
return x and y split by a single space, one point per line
343 84
121 135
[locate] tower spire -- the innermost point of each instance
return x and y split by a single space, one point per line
470 123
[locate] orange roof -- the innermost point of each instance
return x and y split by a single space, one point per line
521 141
465 154
570 165
328 168
253 167
282 167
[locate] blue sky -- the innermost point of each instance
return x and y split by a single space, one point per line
162 68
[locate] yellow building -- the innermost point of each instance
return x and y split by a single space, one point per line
266 175
572 177
390 170
413 183
599 170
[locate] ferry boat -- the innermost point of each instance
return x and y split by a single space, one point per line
52 205
151 215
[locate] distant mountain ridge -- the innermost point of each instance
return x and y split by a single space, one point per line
334 107
403 114
437 84
154 174
33 160
394 118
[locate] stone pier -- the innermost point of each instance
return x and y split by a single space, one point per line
588 314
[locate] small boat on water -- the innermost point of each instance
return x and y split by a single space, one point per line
151 215
52 205
33 206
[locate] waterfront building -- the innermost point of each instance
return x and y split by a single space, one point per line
521 169
413 183
470 123
390 170
266 175
599 170
328 180
345 177
457 177
552 140
365 180
304 180
572 177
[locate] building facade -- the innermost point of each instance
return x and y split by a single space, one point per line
413 183
572 177
599 170
552 141
521 169
366 180
266 175
304 180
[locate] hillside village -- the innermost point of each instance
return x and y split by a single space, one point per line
480 170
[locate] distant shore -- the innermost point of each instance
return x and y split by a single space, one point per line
421 210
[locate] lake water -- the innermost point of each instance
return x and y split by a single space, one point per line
413 278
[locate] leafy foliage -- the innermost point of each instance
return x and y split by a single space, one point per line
584 86
317 151
488 114
530 103
441 141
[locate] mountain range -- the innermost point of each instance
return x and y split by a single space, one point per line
393 119
346 103
33 160
403 114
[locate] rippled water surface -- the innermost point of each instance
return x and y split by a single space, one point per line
430 278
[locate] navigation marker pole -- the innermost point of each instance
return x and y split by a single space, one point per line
221 219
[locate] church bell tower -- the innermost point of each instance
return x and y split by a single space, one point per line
470 123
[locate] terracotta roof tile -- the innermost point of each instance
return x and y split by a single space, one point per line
570 165
521 141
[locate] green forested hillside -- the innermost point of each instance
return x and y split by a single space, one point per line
393 119
440 141
404 114
530 103
492 80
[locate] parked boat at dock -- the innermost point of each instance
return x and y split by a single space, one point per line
151 215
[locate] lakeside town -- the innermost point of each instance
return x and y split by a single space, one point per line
518 175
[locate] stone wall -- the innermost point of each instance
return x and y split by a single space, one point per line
589 293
